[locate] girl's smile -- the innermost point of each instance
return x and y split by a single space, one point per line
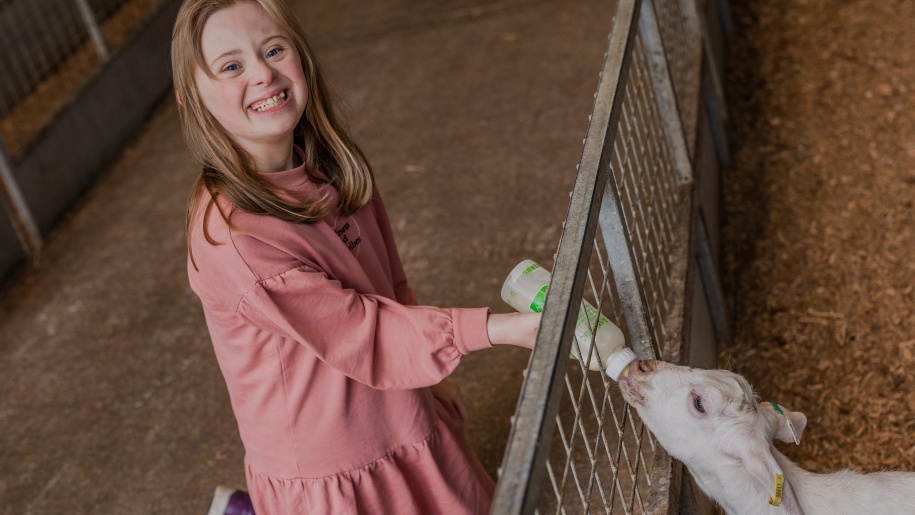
254 85
272 103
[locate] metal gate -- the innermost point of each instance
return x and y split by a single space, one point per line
52 51
575 446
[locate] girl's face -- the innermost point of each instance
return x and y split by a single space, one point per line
259 91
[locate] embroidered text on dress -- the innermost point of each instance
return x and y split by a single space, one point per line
347 238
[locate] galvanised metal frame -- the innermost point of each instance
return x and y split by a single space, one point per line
523 467
37 36
17 209
95 32
634 183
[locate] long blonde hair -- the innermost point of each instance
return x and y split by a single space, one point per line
227 169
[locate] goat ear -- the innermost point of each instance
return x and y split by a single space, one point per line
787 432
760 463
791 424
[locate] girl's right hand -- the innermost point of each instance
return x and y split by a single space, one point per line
513 329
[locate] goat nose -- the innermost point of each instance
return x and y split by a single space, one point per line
646 366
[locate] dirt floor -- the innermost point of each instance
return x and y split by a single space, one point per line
819 230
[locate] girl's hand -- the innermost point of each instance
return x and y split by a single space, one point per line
513 329
450 393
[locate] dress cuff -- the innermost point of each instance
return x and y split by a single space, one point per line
470 329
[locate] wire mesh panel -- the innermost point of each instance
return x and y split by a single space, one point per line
652 201
50 49
35 37
599 460
601 453
576 447
683 46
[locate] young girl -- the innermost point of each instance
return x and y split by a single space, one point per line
334 373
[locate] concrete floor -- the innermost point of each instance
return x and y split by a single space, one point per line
472 113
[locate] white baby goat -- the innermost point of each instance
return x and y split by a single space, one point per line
711 421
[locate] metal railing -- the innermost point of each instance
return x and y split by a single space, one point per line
575 446
50 50
38 36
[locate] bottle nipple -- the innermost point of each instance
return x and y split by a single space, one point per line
618 366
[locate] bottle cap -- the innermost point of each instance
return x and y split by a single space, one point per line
619 363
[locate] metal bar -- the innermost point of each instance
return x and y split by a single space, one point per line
717 86
664 497
18 209
696 12
21 86
691 21
717 119
94 31
73 35
59 46
711 284
727 20
538 404
664 90
626 274
713 93
34 73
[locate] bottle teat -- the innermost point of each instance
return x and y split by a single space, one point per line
619 364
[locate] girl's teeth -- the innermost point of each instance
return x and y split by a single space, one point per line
271 102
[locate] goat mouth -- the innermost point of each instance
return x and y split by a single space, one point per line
631 393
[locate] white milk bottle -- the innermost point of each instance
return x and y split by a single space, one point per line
525 290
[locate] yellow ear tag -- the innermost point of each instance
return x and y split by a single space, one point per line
779 485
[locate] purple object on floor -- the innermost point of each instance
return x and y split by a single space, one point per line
239 504
228 501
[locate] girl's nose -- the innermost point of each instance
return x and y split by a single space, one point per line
262 73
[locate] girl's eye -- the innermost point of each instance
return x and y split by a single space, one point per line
273 52
698 403
231 68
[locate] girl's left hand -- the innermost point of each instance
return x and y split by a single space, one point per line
513 329
450 393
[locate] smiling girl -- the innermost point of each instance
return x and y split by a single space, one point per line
334 374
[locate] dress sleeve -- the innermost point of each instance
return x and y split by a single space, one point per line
402 290
369 338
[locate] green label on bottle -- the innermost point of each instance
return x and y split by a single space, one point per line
537 303
589 315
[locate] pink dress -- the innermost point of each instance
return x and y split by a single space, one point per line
327 369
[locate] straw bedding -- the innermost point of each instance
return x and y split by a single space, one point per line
819 228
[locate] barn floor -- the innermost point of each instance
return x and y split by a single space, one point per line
820 224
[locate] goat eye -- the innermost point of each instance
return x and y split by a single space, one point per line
698 403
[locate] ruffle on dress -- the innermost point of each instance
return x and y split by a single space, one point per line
439 474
